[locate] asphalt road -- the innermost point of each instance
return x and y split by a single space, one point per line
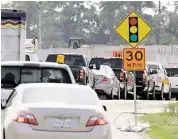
121 114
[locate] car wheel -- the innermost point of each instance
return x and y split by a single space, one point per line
176 97
162 93
153 92
146 93
93 86
168 95
118 94
110 96
3 133
123 93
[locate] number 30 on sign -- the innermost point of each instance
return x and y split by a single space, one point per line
134 59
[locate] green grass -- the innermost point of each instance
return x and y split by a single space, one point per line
163 125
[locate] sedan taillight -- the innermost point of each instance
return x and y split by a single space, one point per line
105 81
122 76
96 120
82 74
26 118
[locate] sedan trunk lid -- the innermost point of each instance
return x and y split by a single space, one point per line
61 117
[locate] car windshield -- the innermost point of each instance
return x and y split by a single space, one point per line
13 76
102 70
112 62
155 67
172 72
78 96
71 60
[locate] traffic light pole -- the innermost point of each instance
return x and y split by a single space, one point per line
135 100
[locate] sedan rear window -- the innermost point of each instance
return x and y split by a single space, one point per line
172 72
112 62
71 60
73 96
11 76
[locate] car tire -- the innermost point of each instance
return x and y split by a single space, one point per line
162 93
153 92
123 93
146 93
4 133
110 96
168 95
160 96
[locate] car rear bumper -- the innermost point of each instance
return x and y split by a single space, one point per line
102 89
141 88
25 132
174 90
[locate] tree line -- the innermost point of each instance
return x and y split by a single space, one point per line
61 20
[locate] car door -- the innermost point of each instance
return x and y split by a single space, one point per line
114 79
150 78
91 79
8 105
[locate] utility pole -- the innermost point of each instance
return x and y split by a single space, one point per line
158 32
39 24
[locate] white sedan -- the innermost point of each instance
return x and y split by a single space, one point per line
106 82
54 111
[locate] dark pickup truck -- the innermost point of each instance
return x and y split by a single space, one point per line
79 66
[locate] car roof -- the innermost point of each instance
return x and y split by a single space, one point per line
109 57
171 65
105 66
153 62
33 63
21 87
67 54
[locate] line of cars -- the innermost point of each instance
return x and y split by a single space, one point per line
156 82
107 77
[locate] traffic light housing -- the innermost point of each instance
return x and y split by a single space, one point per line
133 30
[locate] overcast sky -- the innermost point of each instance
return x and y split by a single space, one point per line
170 7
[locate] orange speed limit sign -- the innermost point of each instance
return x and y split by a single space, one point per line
134 59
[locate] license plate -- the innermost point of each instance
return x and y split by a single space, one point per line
62 123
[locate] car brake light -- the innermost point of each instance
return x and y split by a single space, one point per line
105 80
122 76
82 74
94 120
26 118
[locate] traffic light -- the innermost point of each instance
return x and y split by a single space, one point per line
133 29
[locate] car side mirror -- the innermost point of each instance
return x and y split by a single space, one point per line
94 66
3 106
105 108
154 72
90 66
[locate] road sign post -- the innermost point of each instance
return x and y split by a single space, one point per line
135 99
133 29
